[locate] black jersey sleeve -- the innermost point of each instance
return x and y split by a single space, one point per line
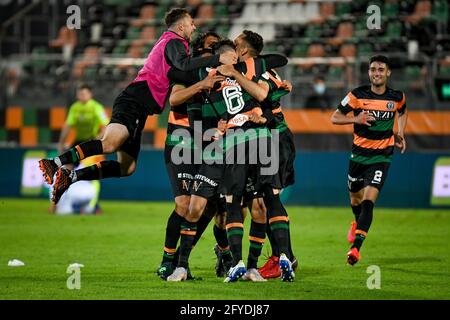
274 60
272 121
187 78
176 56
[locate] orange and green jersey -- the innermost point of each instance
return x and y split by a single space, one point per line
375 143
272 102
178 119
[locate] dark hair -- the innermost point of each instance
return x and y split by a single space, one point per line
84 86
221 45
198 45
380 58
254 40
174 15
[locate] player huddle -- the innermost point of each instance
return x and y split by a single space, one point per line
229 149
230 117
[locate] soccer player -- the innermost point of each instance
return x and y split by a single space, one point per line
249 44
86 116
374 108
208 178
145 96
274 119
181 175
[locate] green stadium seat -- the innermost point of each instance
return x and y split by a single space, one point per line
269 47
335 73
221 11
394 30
361 30
313 31
119 50
300 49
133 33
222 29
90 72
390 10
444 70
161 11
342 9
412 72
365 49
37 64
440 11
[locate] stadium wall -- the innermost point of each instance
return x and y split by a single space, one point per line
321 179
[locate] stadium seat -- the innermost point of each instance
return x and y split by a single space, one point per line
390 9
146 14
343 9
360 28
133 33
440 11
394 30
281 15
364 49
313 31
300 49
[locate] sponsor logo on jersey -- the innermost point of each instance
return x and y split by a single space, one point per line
239 120
390 105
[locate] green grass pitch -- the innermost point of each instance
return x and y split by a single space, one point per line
121 250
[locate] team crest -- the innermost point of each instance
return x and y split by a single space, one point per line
390 105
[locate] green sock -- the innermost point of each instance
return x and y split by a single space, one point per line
359 239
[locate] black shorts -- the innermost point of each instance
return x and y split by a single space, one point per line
281 163
286 172
363 175
131 109
207 181
253 189
181 175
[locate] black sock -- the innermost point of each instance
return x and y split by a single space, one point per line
356 211
359 239
279 221
256 237
80 152
273 244
221 237
202 224
235 229
188 231
100 170
173 229
364 222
